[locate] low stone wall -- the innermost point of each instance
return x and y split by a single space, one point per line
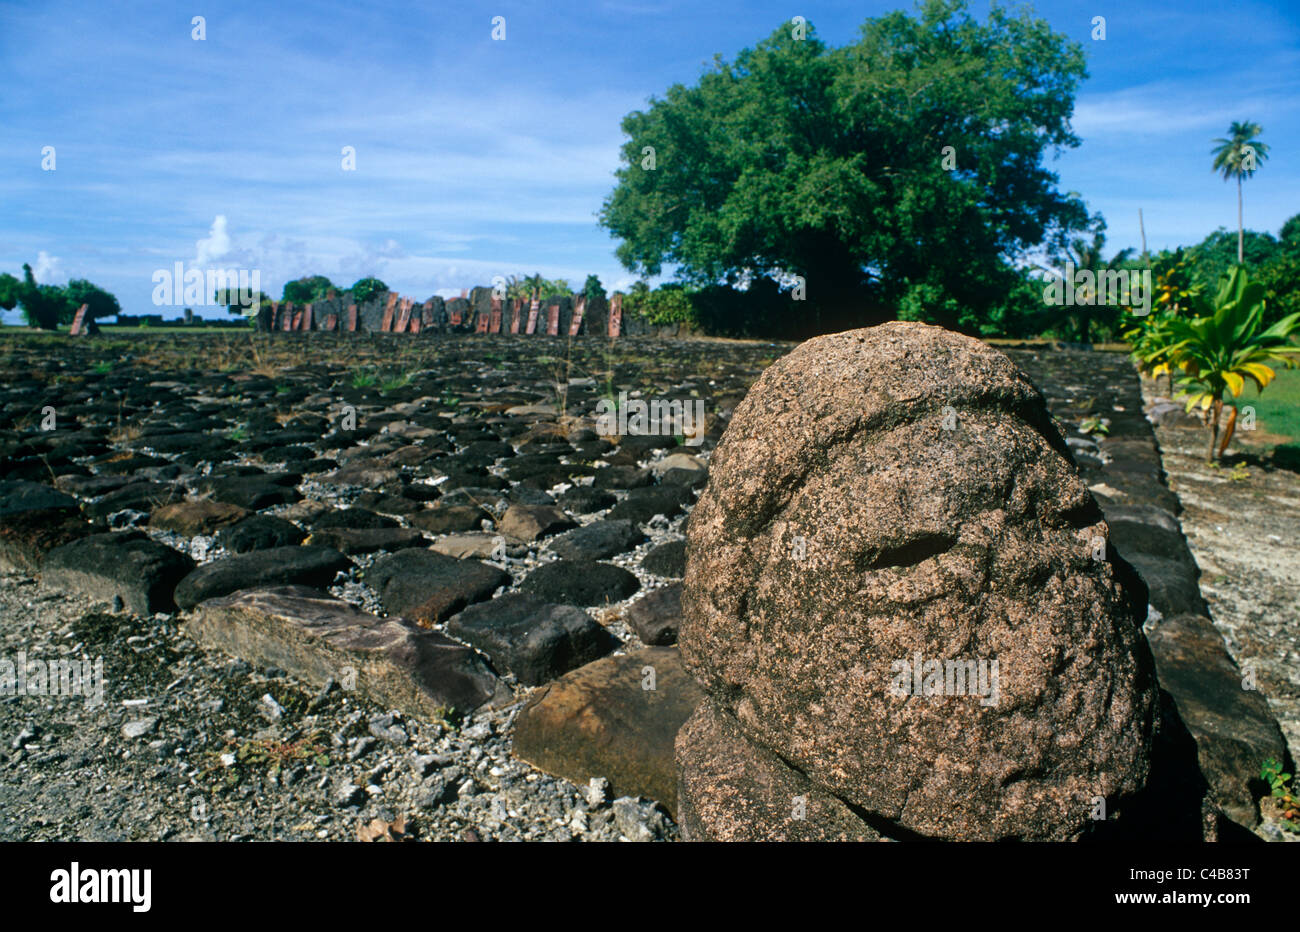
1205 692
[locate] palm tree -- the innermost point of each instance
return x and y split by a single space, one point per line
1238 157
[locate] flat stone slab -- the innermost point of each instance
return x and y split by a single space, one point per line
461 546
307 566
535 640
449 519
532 522
601 721
429 587
194 518
367 473
126 565
1233 728
316 637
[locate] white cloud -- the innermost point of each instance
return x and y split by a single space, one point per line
216 245
47 268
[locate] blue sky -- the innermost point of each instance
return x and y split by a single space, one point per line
477 157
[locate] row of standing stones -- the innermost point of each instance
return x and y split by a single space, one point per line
939 513
478 310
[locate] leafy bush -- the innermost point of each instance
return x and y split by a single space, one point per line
307 290
366 288
1224 345
593 289
667 304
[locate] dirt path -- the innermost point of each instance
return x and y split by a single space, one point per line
1243 528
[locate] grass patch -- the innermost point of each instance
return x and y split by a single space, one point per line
1277 410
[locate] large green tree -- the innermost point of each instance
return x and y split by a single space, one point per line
99 303
9 291
1215 255
903 170
1238 156
43 305
1280 274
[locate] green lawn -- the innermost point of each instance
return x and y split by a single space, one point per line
1277 410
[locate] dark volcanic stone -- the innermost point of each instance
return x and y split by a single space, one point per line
123 464
34 519
464 480
657 617
541 476
307 566
581 582
260 532
367 540
205 446
90 486
128 565
449 519
524 495
667 560
622 477
640 445
641 505
597 540
18 496
478 498
691 478
253 492
316 638
583 499
428 587
351 518
534 640
388 504
138 496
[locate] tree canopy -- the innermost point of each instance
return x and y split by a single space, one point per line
8 291
99 303
306 290
363 289
593 289
901 171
